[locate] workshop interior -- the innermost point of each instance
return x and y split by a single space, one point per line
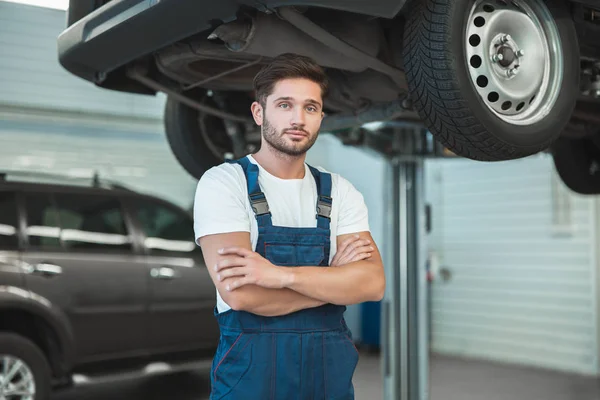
471 128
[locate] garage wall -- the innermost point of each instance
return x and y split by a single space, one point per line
30 75
135 155
52 121
521 253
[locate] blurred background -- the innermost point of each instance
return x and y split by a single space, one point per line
512 255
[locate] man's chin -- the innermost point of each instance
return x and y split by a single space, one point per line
295 151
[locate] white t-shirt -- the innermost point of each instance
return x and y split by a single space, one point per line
221 205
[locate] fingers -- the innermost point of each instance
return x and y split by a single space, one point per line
232 272
359 250
360 246
229 262
346 242
360 256
235 250
350 243
237 283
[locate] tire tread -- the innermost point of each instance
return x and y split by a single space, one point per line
435 89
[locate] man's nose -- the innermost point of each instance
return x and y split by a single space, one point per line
298 117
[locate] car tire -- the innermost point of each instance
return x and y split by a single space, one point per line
577 162
199 141
444 73
23 349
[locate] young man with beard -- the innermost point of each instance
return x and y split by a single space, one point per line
288 248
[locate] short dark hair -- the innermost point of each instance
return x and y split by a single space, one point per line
288 66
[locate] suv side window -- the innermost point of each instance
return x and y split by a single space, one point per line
92 222
43 229
8 221
167 230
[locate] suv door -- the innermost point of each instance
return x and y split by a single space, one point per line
10 265
81 257
183 295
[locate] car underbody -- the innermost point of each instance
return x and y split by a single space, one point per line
397 62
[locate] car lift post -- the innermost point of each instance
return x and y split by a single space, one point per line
404 330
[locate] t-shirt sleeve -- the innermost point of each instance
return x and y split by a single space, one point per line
219 203
354 215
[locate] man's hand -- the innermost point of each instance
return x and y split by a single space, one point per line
352 249
242 267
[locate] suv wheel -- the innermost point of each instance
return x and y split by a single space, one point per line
24 370
492 79
200 141
577 162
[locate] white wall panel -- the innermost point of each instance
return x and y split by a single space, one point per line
137 156
521 287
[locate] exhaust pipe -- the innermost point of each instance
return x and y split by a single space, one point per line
269 36
296 33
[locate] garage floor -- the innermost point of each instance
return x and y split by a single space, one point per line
450 379
458 379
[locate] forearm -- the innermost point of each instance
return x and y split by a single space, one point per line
270 302
352 283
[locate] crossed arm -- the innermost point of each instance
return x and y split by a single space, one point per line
249 282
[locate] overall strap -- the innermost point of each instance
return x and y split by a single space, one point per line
258 201
324 200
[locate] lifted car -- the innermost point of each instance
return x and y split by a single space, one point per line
492 80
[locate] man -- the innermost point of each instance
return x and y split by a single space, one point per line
288 247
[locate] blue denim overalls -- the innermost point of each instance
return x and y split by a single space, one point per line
307 354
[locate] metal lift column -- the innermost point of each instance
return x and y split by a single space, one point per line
405 358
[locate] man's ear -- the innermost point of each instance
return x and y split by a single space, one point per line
257 113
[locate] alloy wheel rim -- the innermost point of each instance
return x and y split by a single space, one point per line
16 379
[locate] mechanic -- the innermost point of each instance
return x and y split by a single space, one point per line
288 247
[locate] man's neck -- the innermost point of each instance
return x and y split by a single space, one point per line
280 165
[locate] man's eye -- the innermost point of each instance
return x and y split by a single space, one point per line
283 105
312 109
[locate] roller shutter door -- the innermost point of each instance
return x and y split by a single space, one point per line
520 252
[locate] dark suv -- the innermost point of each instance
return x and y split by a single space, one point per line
96 279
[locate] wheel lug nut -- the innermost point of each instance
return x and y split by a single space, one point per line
497 57
520 53
505 38
512 72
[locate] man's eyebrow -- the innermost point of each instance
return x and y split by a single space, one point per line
282 98
312 101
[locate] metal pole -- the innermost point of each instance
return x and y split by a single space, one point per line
405 341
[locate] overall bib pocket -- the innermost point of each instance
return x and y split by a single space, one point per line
293 254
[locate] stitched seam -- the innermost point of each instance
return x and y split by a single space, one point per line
264 329
312 370
351 342
239 352
296 234
274 347
324 367
301 364
225 356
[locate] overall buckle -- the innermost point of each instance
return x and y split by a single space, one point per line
259 204
324 207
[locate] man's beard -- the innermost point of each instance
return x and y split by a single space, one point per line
278 142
